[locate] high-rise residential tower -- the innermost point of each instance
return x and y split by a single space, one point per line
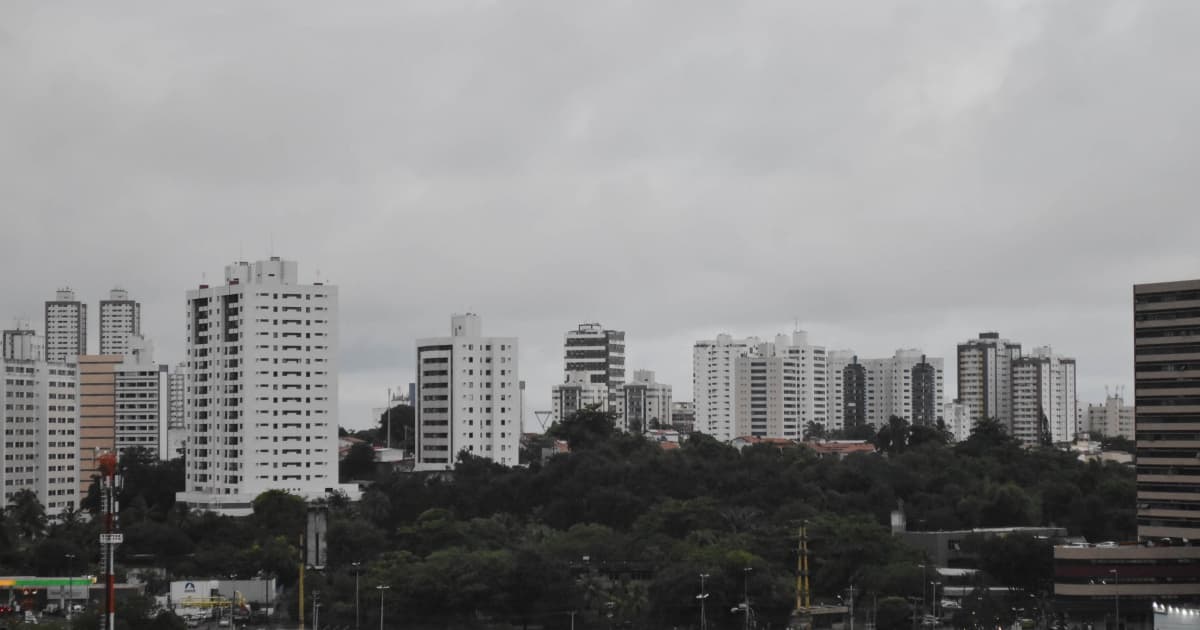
1166 349
907 385
261 388
746 387
1043 406
468 396
120 318
713 383
985 377
66 327
40 417
592 354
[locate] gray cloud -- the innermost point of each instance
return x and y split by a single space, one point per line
891 174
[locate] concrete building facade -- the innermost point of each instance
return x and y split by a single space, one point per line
261 388
592 354
468 392
908 385
713 383
1112 419
120 319
646 403
1166 349
140 395
97 413
40 416
957 417
66 327
176 429
1044 405
578 392
985 376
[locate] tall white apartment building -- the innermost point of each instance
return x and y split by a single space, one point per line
261 388
140 393
957 416
646 402
176 429
907 385
468 396
592 354
120 319
1043 397
985 376
713 383
730 376
814 377
768 392
66 327
1113 418
40 416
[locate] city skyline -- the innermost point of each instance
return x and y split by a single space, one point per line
731 175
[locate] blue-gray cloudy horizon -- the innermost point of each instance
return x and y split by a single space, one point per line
891 174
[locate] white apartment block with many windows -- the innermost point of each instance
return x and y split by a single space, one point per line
261 388
1113 418
120 319
66 328
140 391
578 392
724 374
40 417
1043 398
714 381
468 397
646 403
985 377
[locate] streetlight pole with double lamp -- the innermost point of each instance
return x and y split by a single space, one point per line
381 588
702 596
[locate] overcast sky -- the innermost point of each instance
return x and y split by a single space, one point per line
890 174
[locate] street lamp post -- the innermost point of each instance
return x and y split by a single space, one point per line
746 593
936 602
357 617
1116 597
316 605
381 588
702 596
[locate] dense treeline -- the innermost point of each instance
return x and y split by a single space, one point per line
619 530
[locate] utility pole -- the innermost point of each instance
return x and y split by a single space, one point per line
702 596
